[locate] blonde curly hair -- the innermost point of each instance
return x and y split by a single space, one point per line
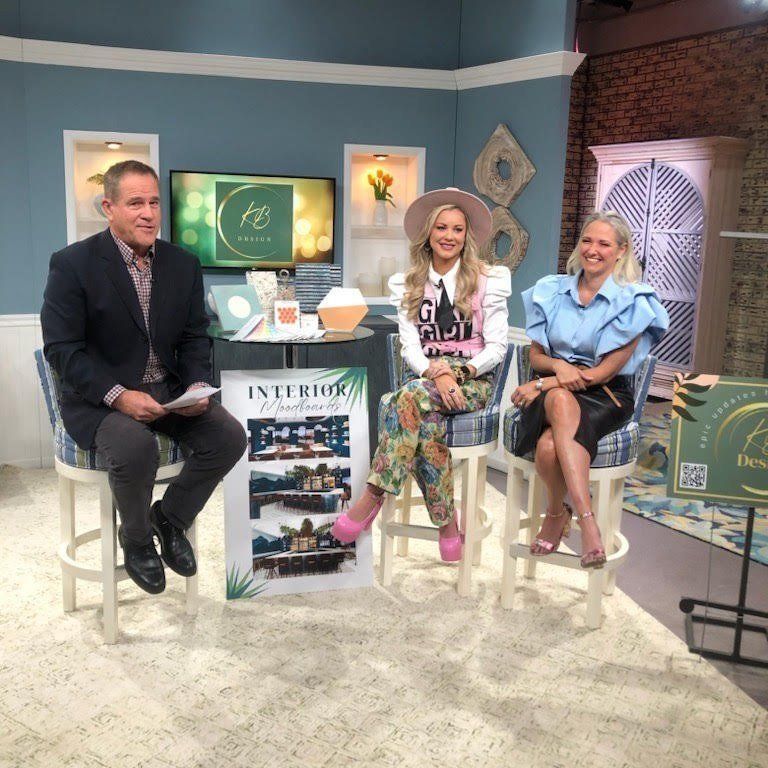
627 269
470 267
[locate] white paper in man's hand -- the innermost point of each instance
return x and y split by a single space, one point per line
190 398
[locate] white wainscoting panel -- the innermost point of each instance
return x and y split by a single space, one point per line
25 432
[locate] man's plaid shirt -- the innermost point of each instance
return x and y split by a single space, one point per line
142 280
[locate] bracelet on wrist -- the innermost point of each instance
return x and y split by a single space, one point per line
463 373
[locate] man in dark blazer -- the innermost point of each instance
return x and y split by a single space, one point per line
125 329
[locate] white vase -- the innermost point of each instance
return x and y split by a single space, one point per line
380 214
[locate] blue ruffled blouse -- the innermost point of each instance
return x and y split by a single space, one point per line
556 319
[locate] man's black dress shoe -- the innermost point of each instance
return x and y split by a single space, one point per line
143 565
174 546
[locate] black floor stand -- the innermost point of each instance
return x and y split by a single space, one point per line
687 605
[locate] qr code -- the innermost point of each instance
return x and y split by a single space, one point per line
693 476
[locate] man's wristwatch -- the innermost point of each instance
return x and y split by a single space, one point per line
463 374
539 384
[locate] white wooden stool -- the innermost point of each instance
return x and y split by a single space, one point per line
526 499
74 465
471 437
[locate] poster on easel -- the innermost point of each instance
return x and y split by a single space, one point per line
719 453
307 458
719 440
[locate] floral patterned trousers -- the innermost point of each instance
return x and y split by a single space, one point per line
412 439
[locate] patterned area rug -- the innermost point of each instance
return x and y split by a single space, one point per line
408 676
644 494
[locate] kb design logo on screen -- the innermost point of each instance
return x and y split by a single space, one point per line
254 221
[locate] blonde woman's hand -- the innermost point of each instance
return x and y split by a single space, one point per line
437 368
525 394
450 393
569 376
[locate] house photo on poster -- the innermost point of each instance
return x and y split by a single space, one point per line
307 456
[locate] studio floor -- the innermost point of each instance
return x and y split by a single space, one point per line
665 565
408 676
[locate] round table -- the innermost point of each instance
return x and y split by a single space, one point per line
291 346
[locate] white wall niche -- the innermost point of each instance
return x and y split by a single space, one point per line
366 245
85 154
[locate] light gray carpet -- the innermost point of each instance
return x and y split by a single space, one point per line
410 676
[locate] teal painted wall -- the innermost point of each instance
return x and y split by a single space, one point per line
536 112
16 294
9 18
497 30
344 31
241 125
205 123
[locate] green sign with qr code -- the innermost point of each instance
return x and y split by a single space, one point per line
719 441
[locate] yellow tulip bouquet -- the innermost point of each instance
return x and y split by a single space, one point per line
381 183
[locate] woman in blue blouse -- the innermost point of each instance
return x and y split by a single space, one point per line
590 330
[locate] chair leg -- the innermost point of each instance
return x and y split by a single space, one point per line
108 556
67 528
615 508
469 524
192 580
482 475
511 536
594 598
536 502
386 515
601 500
405 515
601 508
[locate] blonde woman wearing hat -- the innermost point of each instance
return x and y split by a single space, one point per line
452 319
590 329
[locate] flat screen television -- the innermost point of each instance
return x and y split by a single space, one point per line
241 221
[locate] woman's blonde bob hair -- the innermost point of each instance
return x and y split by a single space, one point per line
470 267
627 269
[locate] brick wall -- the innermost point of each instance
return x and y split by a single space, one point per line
573 163
711 85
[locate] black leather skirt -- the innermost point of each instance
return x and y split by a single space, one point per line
599 415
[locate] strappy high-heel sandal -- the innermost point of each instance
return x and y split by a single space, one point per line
595 558
542 547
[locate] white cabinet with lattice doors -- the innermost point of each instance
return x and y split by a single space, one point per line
677 196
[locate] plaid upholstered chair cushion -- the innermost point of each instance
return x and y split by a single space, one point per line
65 448
465 429
616 448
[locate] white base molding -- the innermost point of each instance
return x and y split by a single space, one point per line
25 437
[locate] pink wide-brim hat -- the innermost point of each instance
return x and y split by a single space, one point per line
474 209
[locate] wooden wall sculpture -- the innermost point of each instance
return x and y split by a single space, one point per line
502 151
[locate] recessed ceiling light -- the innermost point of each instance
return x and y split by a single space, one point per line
114 144
380 156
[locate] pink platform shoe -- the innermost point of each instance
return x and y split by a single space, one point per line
345 529
451 546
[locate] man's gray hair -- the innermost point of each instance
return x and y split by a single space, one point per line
116 172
